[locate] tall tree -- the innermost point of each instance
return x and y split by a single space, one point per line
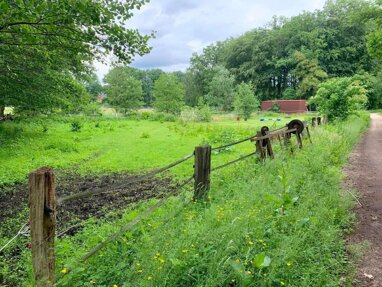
221 89
123 91
169 94
245 101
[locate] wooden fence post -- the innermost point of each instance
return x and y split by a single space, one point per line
202 170
259 147
299 140
42 216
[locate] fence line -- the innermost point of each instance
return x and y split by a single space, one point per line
232 162
135 180
132 223
42 194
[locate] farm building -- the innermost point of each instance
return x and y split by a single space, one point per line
286 106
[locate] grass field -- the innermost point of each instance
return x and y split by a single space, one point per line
275 224
104 145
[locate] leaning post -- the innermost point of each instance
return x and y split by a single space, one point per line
42 216
202 170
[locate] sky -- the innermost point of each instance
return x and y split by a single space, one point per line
183 27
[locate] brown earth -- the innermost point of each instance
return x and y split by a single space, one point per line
364 174
13 199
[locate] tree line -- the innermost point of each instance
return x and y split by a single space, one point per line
45 58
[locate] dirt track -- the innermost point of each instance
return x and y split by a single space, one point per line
364 174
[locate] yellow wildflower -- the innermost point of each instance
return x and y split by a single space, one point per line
184 250
115 285
289 264
161 260
139 271
249 272
64 270
282 283
250 242
149 278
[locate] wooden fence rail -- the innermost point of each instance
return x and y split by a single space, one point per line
42 200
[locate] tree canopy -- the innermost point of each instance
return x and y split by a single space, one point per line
47 46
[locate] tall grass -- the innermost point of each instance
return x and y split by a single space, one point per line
275 224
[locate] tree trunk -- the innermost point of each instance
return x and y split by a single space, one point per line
2 109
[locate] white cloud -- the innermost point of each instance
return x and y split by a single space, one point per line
186 26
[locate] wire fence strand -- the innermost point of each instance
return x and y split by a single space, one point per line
153 173
232 162
21 231
134 222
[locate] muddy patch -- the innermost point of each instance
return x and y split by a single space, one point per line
116 196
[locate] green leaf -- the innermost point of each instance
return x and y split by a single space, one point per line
261 261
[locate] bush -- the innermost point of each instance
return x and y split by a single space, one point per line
75 126
339 97
275 108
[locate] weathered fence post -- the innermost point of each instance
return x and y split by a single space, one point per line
42 216
319 121
299 140
259 146
313 122
202 170
308 133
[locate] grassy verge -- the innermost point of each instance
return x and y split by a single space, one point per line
277 224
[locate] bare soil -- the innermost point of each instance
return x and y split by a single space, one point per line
14 199
364 174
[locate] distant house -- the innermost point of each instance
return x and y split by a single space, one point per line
286 106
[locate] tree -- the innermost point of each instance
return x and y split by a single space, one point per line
123 91
309 74
221 89
93 86
338 97
245 101
42 42
169 94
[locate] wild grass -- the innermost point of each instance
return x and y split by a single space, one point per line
275 224
103 145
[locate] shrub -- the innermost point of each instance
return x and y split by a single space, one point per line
339 97
75 126
275 108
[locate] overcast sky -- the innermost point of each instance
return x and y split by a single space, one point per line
187 26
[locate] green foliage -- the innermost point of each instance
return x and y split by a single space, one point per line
46 47
275 108
203 111
289 94
309 74
221 89
287 233
93 86
75 126
296 53
169 94
339 97
124 92
245 101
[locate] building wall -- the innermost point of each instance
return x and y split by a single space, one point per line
287 106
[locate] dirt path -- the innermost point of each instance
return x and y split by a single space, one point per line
364 174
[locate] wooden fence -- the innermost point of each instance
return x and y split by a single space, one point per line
43 202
